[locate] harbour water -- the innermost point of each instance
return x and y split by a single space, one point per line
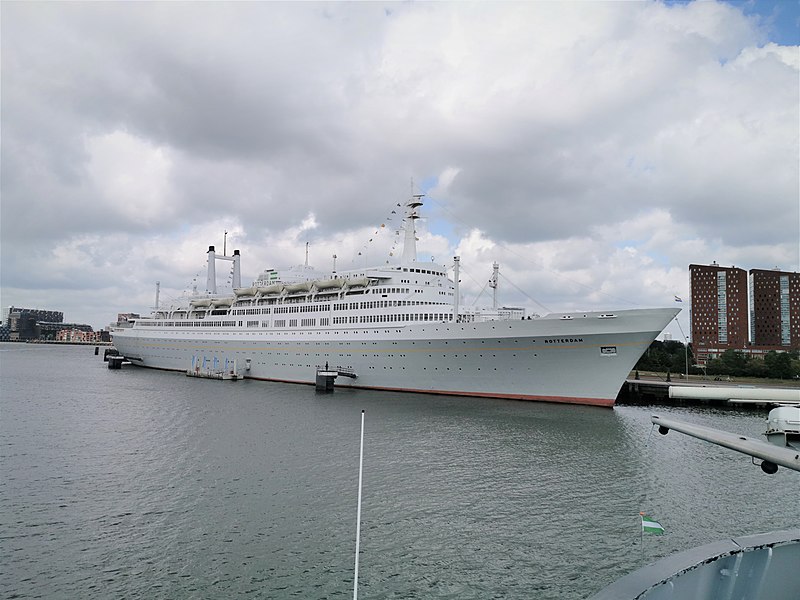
146 484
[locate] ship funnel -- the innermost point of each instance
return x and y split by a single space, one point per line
211 281
237 270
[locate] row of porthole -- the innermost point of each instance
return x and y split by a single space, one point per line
371 366
446 342
349 355
315 332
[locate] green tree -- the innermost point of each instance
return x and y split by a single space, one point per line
734 362
669 355
778 365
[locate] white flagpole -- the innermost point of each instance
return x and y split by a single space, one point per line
641 534
358 517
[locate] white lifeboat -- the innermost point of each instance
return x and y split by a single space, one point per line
298 287
248 291
275 288
329 284
358 282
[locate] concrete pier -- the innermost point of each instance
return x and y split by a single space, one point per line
657 391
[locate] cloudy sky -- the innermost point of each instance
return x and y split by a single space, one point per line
594 150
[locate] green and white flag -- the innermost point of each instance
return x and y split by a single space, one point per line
651 526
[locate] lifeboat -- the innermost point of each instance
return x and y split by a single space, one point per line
359 282
275 288
202 303
298 287
329 284
248 291
222 302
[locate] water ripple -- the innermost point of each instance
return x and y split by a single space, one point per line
142 484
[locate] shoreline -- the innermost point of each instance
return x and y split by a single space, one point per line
58 342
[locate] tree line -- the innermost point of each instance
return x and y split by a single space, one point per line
671 355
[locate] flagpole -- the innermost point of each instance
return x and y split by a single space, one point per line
358 517
641 535
651 526
685 346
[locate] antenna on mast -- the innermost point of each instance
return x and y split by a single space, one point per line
225 243
306 254
412 214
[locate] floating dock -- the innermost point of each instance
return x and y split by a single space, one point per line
326 377
221 375
209 368
117 362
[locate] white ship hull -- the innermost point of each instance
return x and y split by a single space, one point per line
392 327
580 358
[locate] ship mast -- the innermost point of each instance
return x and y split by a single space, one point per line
410 241
493 284
456 291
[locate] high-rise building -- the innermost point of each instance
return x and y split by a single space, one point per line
718 309
22 322
775 308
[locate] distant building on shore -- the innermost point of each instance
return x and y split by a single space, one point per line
26 324
21 323
774 308
719 306
754 314
79 335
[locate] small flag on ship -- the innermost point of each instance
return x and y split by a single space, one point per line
651 526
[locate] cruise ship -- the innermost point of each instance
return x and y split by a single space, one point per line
391 327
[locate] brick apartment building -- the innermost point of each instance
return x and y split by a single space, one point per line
720 319
78 335
719 308
775 308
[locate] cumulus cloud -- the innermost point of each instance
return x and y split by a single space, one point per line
593 149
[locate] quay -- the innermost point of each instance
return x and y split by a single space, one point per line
655 389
